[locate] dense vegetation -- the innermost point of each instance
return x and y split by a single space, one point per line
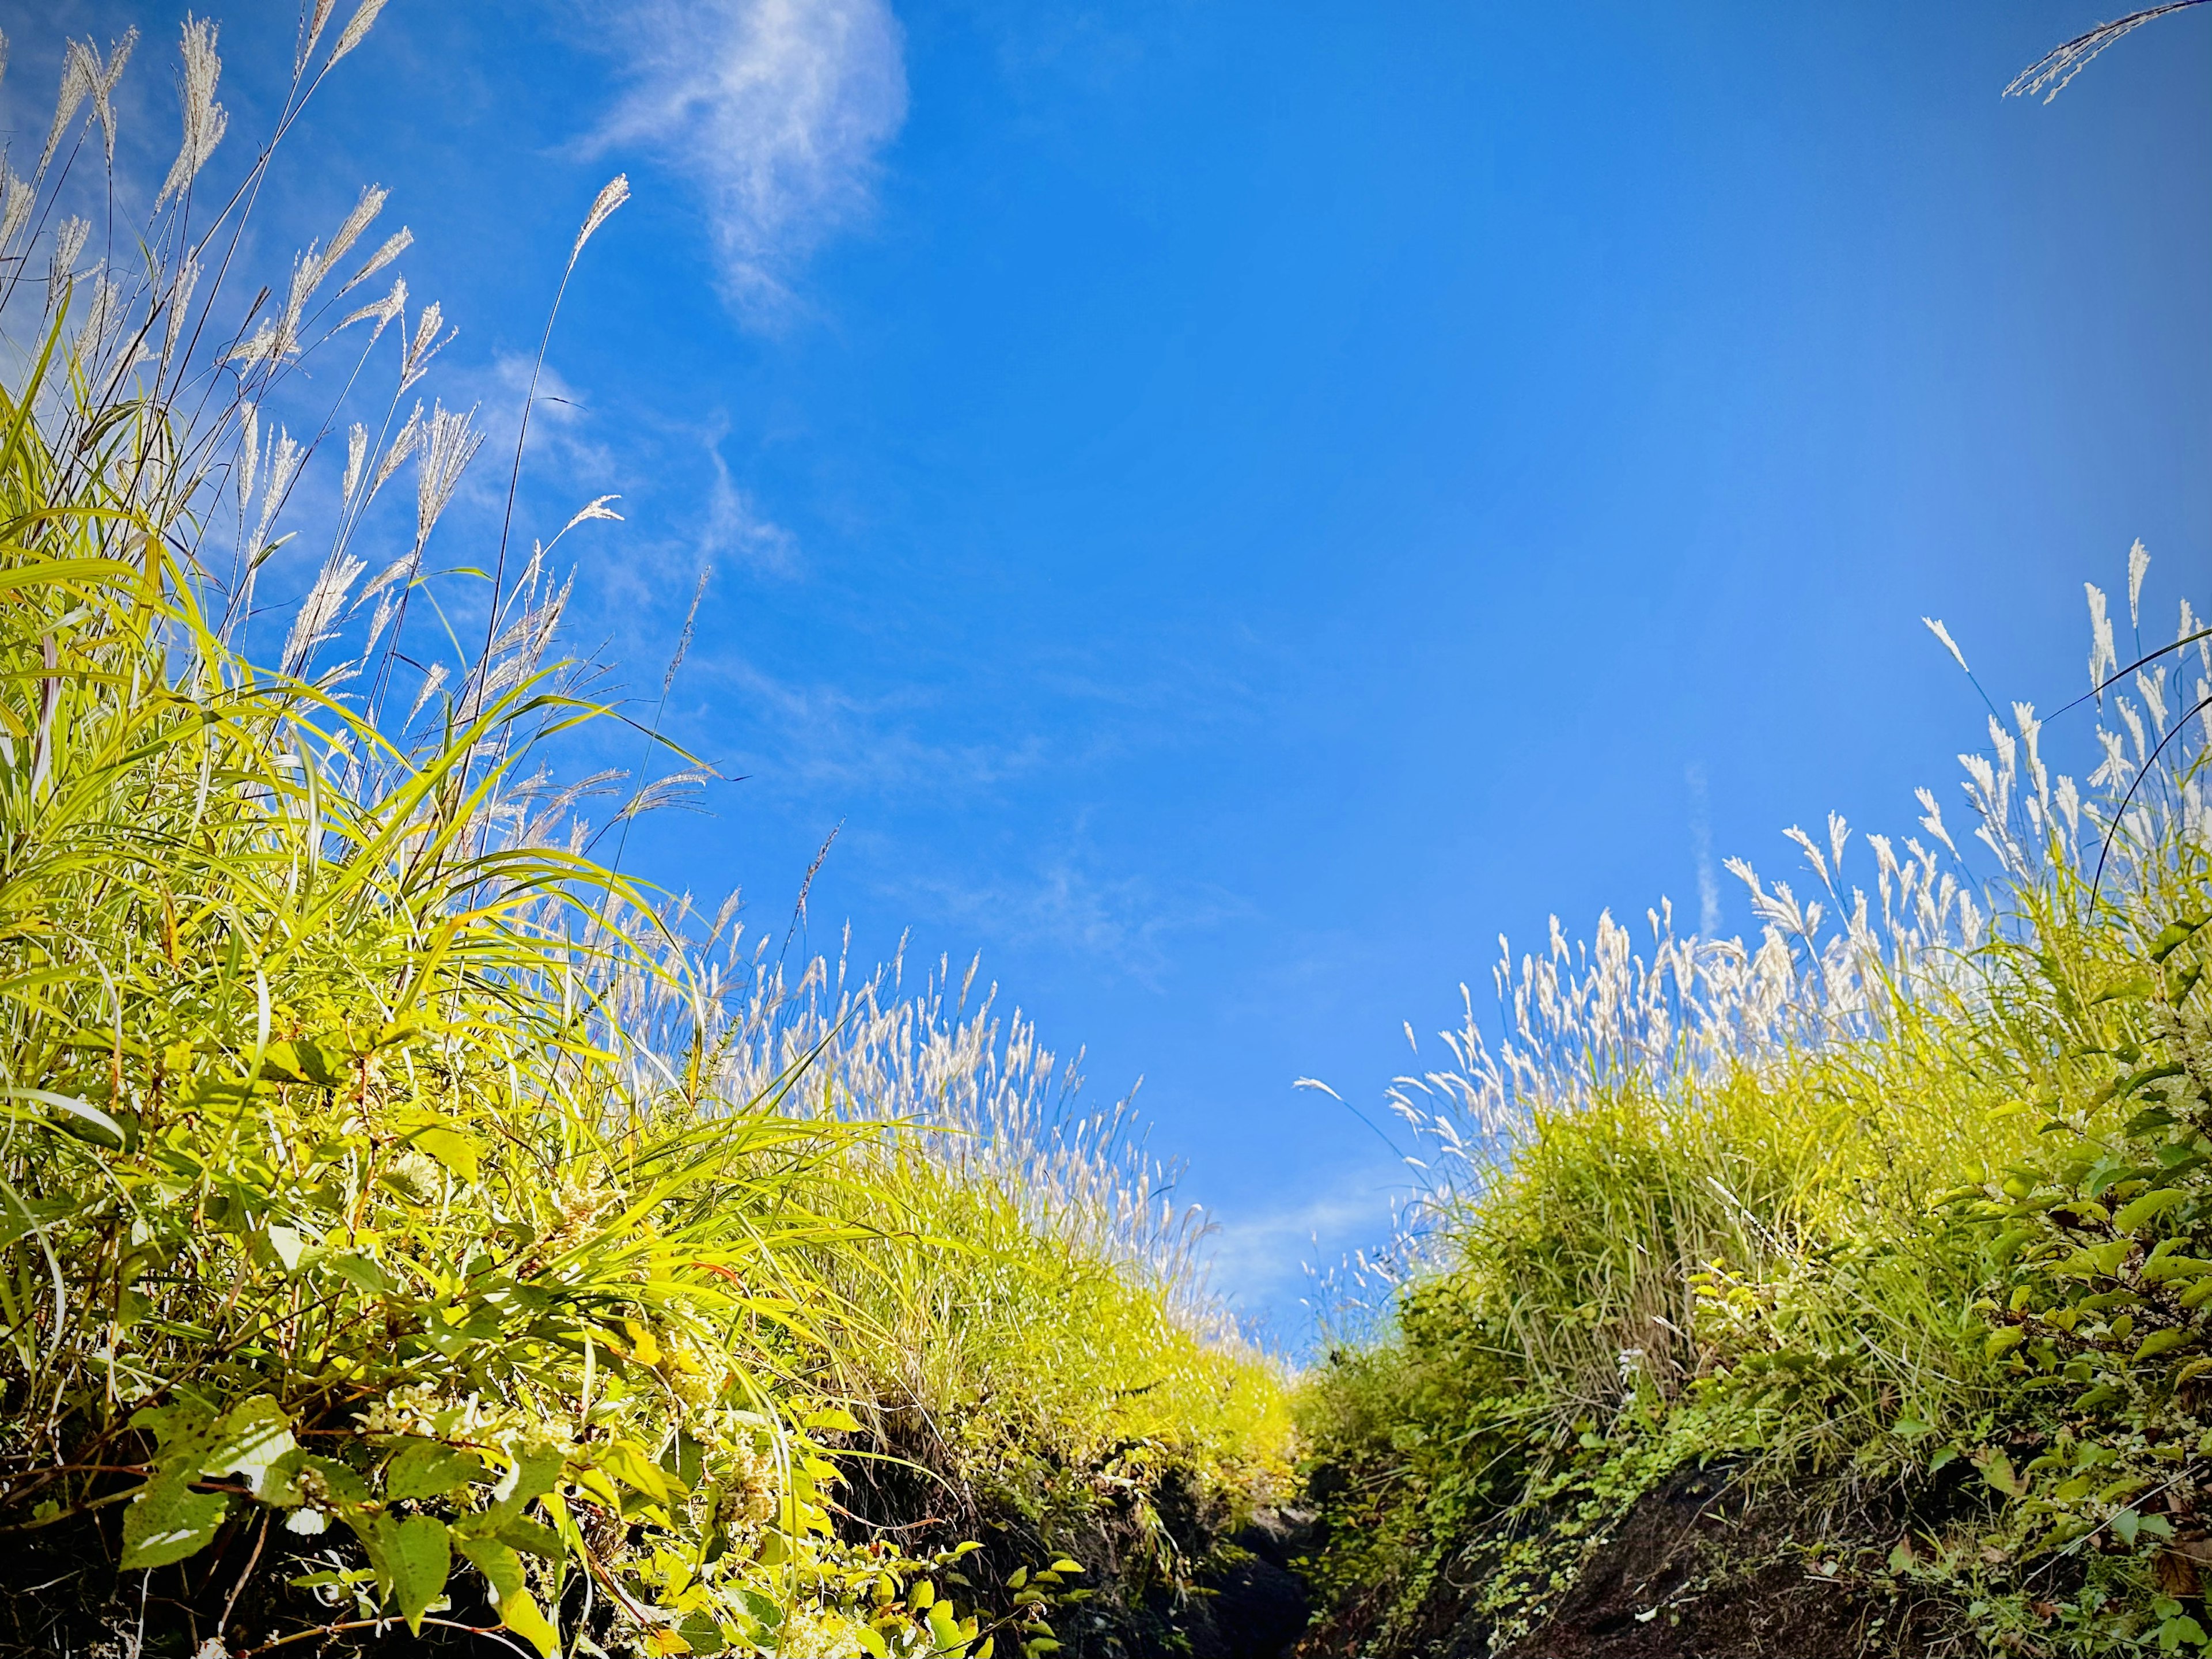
411 1230
416 1233
1870 1263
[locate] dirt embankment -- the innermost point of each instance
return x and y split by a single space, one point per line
1697 1568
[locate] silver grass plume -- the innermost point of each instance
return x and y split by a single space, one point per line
690 623
402 446
61 265
15 213
100 335
205 120
103 91
612 195
2050 73
595 510
312 24
449 443
385 311
1950 645
4 55
285 455
179 302
355 31
384 579
312 624
1933 821
78 77
393 245
386 607
2102 657
431 682
425 345
310 269
356 453
249 457
266 345
2138 563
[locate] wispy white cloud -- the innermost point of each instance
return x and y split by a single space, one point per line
816 737
777 109
1254 1259
1125 923
735 530
1701 839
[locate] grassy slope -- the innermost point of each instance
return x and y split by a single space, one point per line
404 1227
1905 1250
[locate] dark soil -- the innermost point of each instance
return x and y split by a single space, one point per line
1696 1570
1691 1574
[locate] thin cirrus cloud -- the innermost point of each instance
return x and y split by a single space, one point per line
777 110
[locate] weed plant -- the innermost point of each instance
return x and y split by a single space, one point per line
406 1224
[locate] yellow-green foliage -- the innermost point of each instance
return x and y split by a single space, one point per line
1849 1207
1060 1380
391 1202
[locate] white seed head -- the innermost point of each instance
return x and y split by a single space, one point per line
80 74
425 345
612 195
449 443
2102 657
2138 563
15 213
102 79
385 311
285 455
393 245
356 453
402 446
310 31
61 265
355 31
179 303
1950 645
205 120
312 624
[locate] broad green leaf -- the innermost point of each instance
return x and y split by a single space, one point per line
2151 1205
253 1435
168 1521
534 1538
2173 936
2159 1342
288 1245
302 1062
534 1472
502 1569
81 1113
360 1271
623 1460
944 1628
425 1469
451 1145
1997 1469
418 1554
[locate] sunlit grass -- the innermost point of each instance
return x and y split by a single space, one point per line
402 1217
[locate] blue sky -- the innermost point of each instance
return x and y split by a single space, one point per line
1234 506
